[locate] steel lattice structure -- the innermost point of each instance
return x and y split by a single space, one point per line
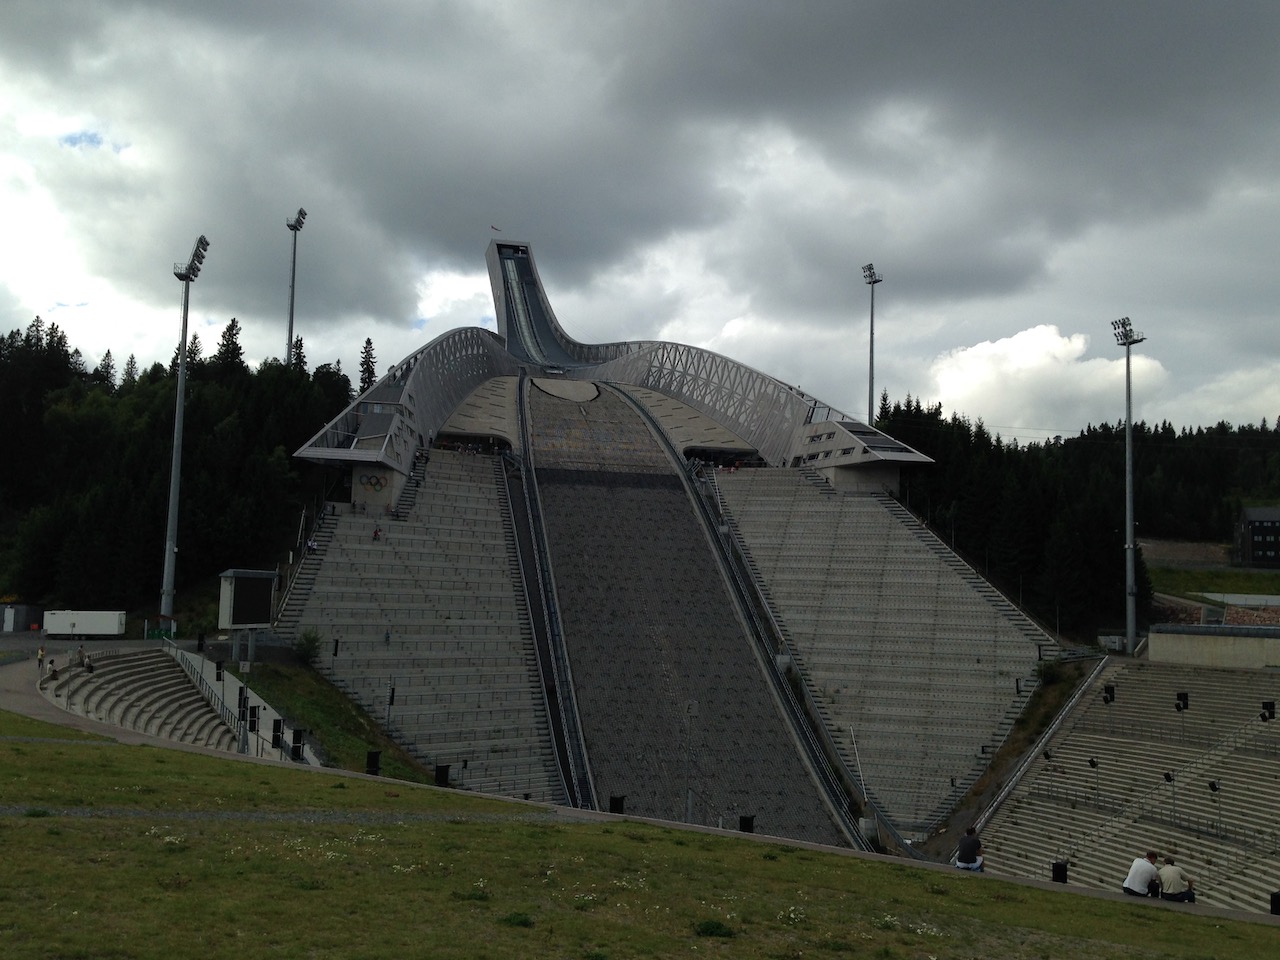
762 410
416 397
419 394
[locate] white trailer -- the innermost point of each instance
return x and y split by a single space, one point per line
84 623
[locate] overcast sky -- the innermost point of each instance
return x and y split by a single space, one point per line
714 173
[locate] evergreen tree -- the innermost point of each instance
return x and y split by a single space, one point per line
195 353
368 372
230 355
130 372
333 383
34 339
55 343
106 372
298 358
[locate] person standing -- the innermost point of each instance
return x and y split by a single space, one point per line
969 853
40 659
1143 879
1176 884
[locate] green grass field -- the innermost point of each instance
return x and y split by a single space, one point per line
116 851
1193 584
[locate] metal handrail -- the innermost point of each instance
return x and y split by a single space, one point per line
1003 793
762 628
207 690
524 579
318 515
575 740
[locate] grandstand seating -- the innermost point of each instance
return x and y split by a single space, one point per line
1098 818
434 610
901 644
671 696
143 690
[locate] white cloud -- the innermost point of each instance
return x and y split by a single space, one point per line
1038 382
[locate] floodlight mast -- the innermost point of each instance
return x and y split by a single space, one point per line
186 272
1126 337
872 278
295 227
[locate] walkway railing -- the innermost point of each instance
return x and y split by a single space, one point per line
194 669
579 763
765 630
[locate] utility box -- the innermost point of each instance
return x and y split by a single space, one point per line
20 617
84 623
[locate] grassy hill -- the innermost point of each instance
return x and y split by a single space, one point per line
116 851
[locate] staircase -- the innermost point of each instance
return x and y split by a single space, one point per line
409 495
299 590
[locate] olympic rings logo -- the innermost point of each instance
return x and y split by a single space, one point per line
371 481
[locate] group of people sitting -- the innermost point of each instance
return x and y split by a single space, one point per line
1169 882
1145 879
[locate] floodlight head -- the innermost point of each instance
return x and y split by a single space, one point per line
191 269
1168 776
1048 755
296 223
1126 336
1093 762
1213 786
869 274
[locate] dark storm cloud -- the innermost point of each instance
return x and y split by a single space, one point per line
1006 165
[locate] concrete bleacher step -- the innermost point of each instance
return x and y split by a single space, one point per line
444 584
894 633
1102 815
145 691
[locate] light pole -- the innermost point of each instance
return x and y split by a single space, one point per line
872 278
295 227
1172 781
1126 337
186 272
